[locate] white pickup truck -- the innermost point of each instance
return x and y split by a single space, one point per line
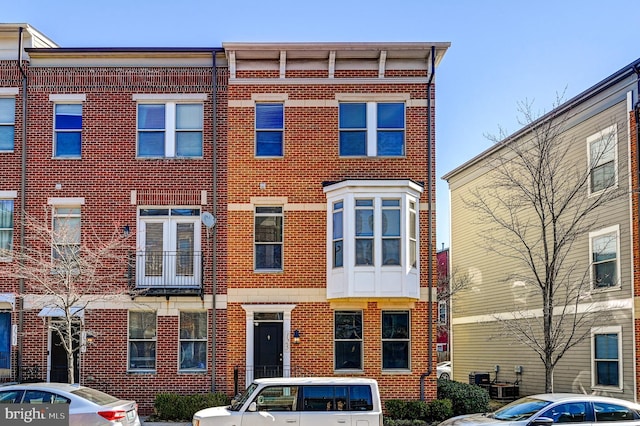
300 401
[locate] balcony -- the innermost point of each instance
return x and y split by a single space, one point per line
166 273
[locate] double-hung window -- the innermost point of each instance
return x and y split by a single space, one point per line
269 129
268 235
375 129
66 234
348 340
6 228
338 234
142 340
170 241
193 340
5 340
602 149
7 123
395 340
604 258
606 345
68 130
170 129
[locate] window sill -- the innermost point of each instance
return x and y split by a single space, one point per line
6 259
395 371
70 157
607 389
606 289
170 158
268 271
141 371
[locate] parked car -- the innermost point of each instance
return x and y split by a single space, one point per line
547 409
304 401
444 370
87 406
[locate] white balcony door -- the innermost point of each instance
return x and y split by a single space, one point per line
170 247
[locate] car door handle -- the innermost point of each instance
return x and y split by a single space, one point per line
342 421
292 421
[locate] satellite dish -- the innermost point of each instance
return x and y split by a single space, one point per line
208 219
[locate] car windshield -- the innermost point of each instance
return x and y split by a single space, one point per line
238 402
521 409
95 396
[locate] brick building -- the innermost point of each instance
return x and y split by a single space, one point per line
272 202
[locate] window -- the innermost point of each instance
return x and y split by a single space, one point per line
413 235
364 232
338 236
371 129
277 398
442 312
395 340
66 234
170 241
193 340
602 148
606 353
572 412
391 232
170 129
604 258
68 130
269 129
348 340
268 236
142 340
7 123
5 340
609 412
6 228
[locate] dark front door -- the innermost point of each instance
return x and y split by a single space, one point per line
59 365
267 349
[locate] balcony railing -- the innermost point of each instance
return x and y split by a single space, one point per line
166 272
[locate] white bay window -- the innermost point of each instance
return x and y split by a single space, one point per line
372 238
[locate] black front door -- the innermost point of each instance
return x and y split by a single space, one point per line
59 365
267 349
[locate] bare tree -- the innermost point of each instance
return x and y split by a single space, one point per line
65 272
536 205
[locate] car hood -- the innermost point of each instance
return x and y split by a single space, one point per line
213 412
480 420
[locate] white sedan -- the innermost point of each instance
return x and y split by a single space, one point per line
86 406
551 408
444 370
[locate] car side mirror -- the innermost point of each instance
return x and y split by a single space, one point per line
541 421
252 407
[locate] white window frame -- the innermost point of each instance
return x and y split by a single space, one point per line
372 128
606 330
442 312
258 130
169 101
153 338
169 240
9 196
10 93
609 132
193 340
257 243
55 214
593 235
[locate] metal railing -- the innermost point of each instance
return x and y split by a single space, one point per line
166 272
247 373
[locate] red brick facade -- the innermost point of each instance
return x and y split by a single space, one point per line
114 184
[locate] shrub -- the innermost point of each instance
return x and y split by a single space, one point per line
465 398
403 422
440 409
174 407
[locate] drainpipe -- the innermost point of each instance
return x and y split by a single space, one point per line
23 193
424 375
214 99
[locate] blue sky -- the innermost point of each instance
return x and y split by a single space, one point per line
502 51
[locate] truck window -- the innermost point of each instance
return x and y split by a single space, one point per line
360 398
277 398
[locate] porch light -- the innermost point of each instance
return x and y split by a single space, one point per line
90 338
296 337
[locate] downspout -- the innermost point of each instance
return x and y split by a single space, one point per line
23 193
214 268
424 375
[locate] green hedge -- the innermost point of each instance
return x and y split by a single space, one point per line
174 407
415 413
465 398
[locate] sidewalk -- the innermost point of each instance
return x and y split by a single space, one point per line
146 423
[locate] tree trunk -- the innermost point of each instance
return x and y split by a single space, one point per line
70 363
